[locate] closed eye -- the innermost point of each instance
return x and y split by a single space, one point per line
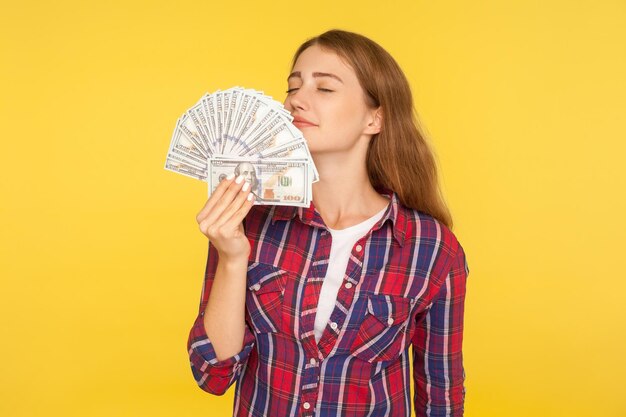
326 90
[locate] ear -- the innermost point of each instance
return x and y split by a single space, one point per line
375 123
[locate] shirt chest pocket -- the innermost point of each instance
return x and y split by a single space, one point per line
264 298
382 335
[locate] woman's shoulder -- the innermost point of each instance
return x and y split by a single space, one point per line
423 228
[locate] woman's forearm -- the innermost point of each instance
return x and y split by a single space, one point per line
224 316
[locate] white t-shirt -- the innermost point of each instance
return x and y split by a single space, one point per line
342 242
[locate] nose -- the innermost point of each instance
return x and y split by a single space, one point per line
298 99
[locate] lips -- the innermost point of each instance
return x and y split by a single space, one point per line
302 122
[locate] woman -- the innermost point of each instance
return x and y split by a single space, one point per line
312 311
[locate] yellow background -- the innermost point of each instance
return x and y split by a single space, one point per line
101 260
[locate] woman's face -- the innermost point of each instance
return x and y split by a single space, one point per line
327 102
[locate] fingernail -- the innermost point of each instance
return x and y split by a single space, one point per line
230 176
250 196
239 179
245 186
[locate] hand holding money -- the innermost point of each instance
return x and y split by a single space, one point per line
221 218
243 132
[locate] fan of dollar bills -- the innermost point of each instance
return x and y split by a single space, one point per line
244 132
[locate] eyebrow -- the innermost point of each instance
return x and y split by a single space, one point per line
297 74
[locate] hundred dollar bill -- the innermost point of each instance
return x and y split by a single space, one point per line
219 111
208 104
296 149
194 116
272 181
292 150
185 160
255 121
239 107
242 110
186 126
185 150
231 111
276 134
199 118
181 142
243 124
247 96
225 106
172 164
263 111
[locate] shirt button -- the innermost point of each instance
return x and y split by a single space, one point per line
333 325
348 285
390 321
313 361
306 406
256 287
359 248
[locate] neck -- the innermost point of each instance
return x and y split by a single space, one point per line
344 195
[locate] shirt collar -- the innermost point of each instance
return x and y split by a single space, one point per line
395 213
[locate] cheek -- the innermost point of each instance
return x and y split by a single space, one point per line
287 103
346 120
337 114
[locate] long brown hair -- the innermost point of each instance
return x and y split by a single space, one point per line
398 158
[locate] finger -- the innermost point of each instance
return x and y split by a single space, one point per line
224 201
229 223
240 214
235 205
215 197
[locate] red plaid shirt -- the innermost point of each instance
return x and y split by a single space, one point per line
404 284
